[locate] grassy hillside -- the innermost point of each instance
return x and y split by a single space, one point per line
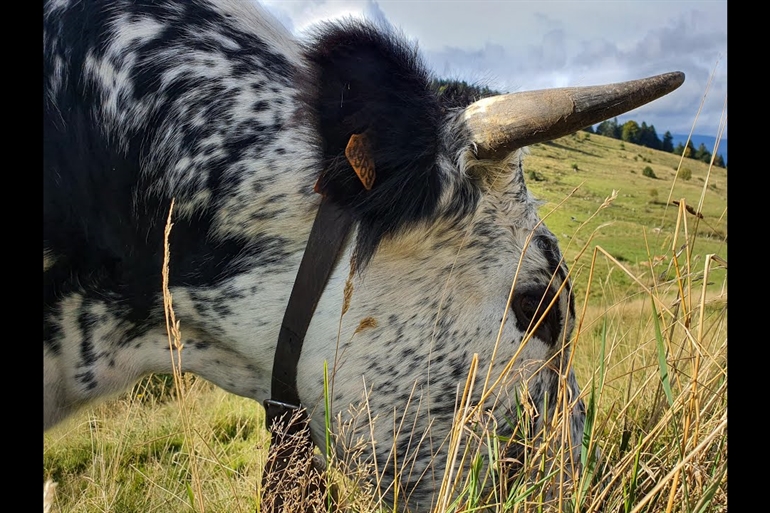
649 353
575 174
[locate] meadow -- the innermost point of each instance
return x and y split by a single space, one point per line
647 251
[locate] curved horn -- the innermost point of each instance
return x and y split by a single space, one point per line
503 123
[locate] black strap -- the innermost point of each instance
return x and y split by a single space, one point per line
327 238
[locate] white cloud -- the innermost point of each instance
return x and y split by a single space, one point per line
520 44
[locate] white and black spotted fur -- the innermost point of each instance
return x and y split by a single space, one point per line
215 105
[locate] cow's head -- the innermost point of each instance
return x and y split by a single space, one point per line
450 258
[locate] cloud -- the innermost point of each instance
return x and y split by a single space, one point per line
681 39
550 54
522 45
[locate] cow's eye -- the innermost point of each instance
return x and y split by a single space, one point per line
529 306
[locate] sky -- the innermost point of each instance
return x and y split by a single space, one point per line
520 45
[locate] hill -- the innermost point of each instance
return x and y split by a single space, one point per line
575 174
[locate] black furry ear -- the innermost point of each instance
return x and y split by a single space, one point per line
368 81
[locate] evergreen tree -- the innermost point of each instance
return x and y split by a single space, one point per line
609 128
603 128
702 154
668 142
649 137
459 93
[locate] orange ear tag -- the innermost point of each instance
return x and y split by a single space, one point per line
359 155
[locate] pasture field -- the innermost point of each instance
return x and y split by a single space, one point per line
648 261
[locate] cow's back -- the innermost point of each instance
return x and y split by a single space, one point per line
145 102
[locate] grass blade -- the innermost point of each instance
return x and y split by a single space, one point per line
662 364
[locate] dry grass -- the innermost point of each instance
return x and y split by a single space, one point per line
292 480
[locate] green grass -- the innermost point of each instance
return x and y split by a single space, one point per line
131 454
650 354
635 228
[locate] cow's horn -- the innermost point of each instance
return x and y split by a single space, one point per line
503 123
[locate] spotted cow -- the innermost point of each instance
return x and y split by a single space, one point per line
214 105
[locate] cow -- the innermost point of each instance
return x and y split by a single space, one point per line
216 107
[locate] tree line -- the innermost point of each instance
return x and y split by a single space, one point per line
458 93
644 135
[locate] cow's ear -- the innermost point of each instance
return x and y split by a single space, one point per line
371 83
375 111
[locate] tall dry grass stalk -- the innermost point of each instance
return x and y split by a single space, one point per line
181 383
